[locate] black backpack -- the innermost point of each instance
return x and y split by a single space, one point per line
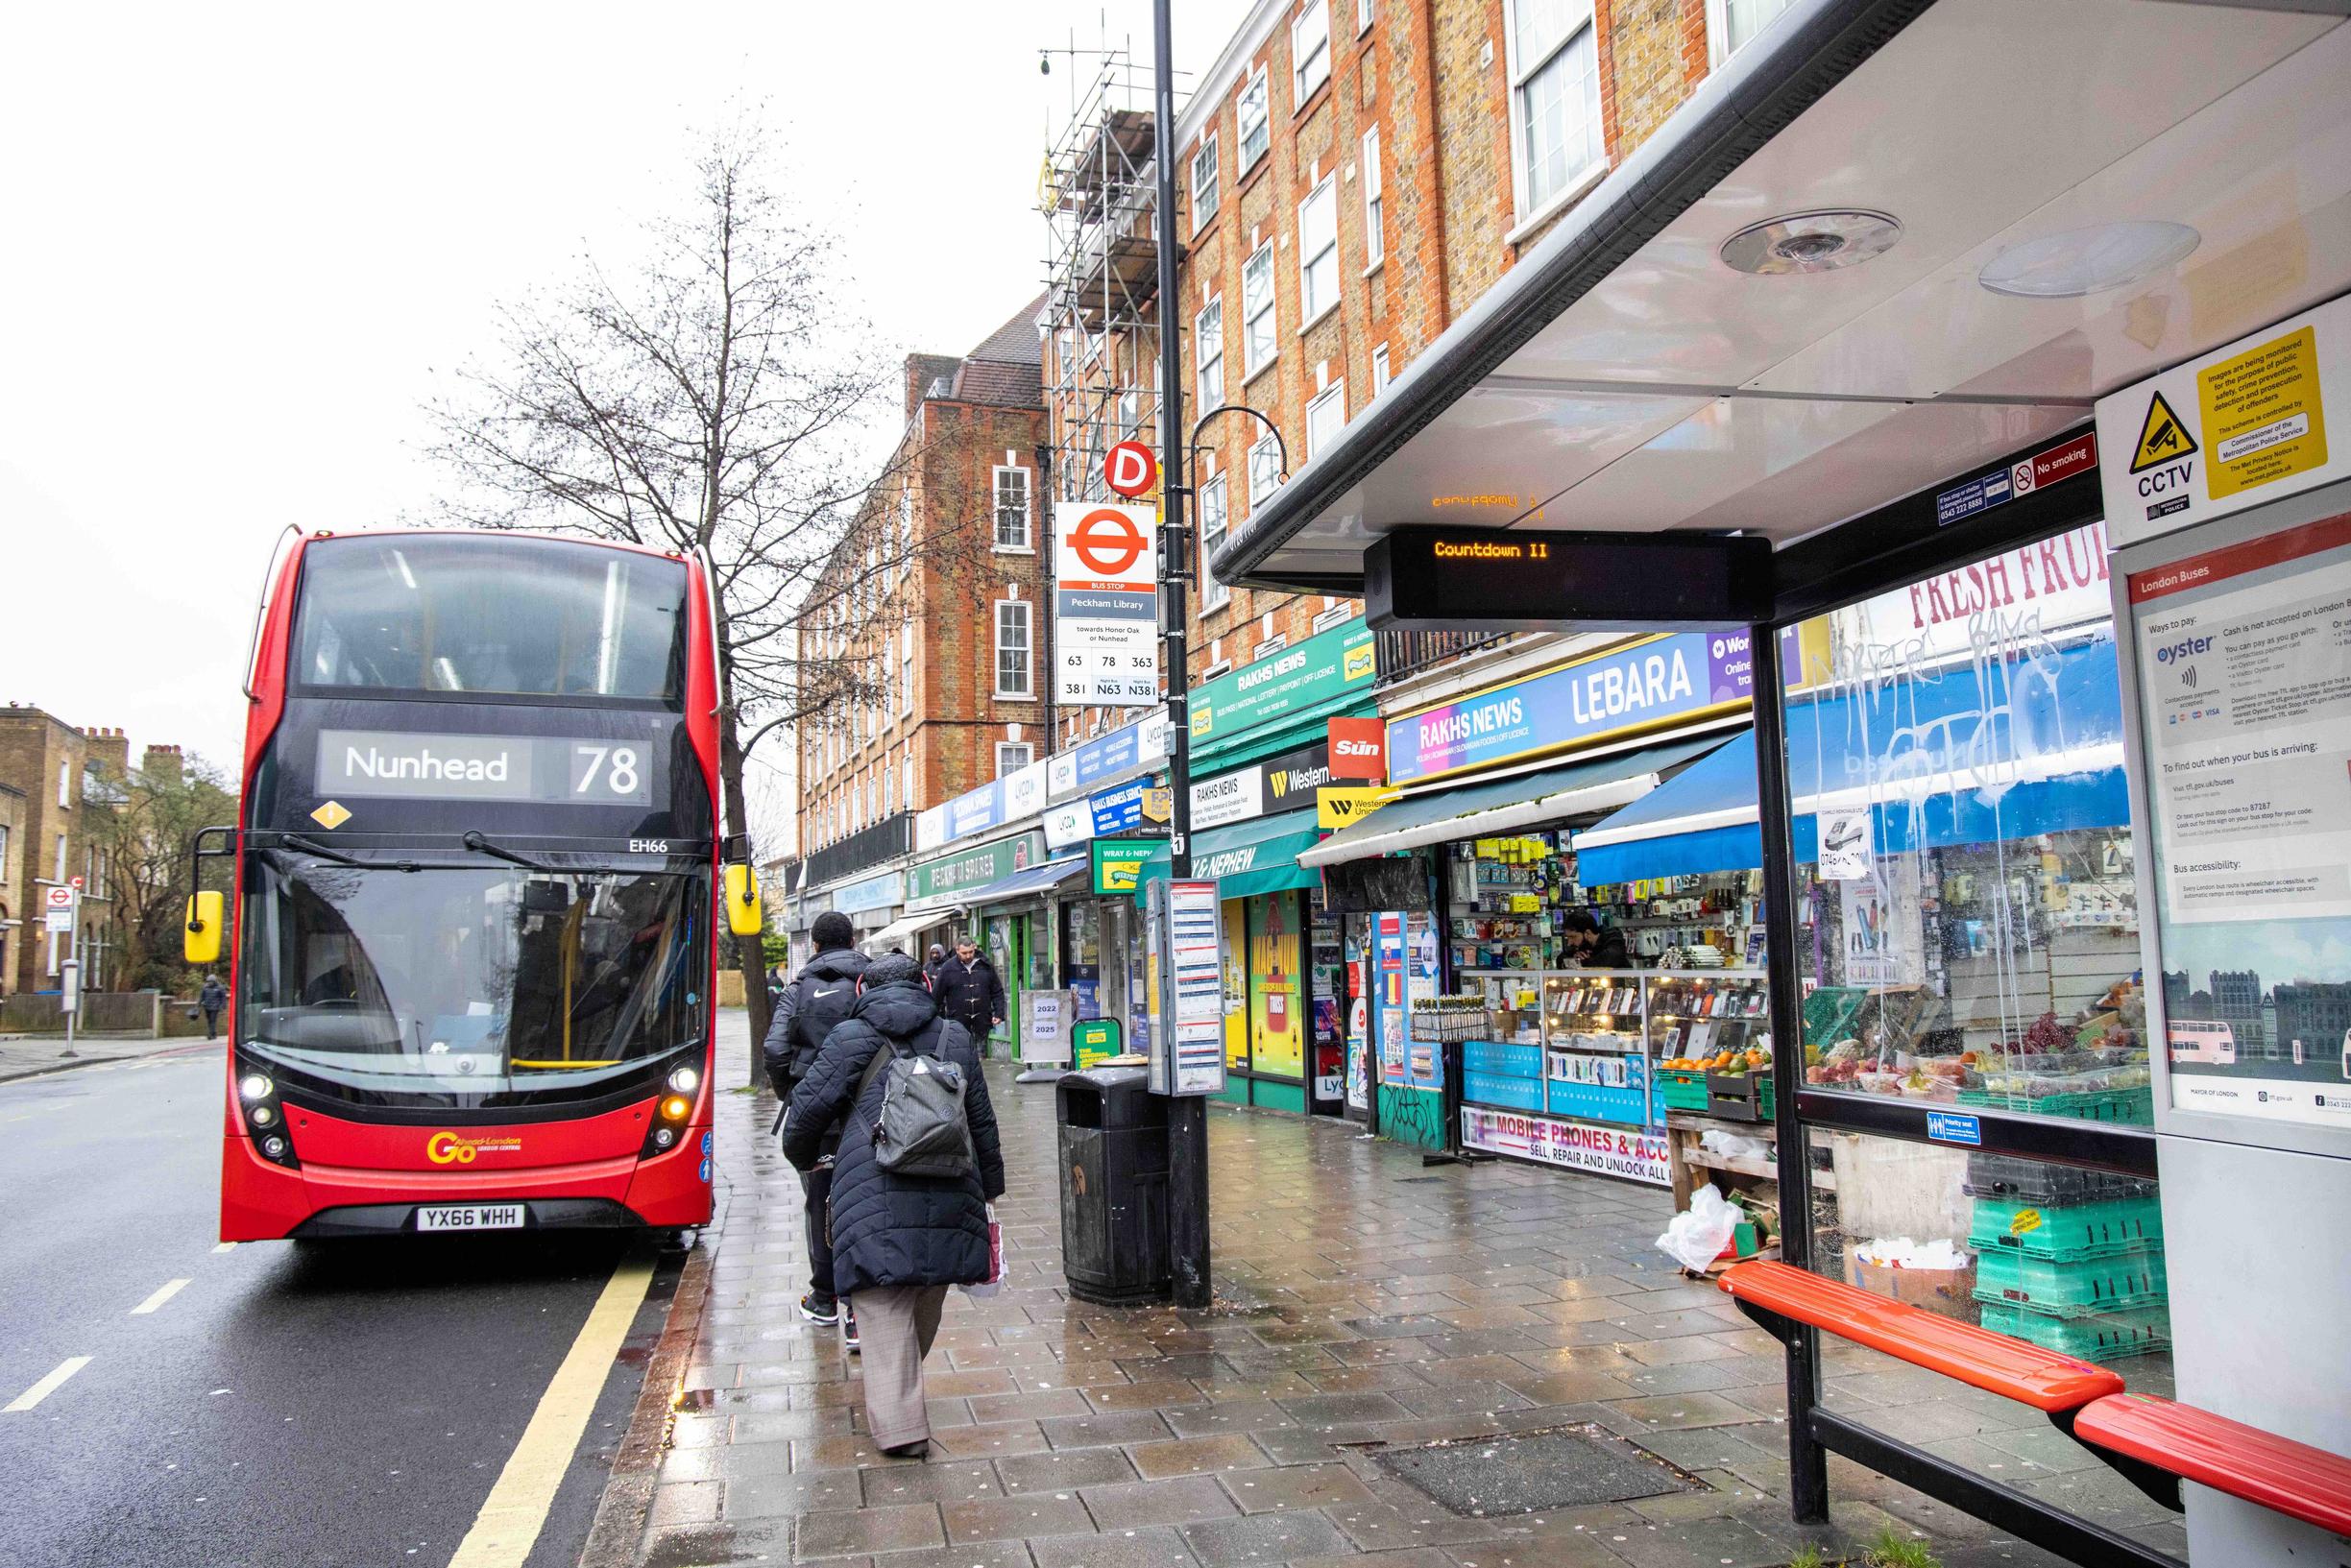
920 1128
825 1000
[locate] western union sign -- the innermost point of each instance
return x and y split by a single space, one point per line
1337 806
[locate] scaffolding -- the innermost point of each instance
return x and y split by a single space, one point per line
1100 317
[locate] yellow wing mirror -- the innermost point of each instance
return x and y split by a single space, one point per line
745 917
201 942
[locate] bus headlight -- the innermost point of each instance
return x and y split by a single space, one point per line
254 1086
273 1146
684 1080
262 1115
664 1137
675 1107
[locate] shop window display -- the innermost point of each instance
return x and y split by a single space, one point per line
1967 936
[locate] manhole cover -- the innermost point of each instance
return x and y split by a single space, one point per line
1562 1468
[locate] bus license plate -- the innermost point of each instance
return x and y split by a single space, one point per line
471 1216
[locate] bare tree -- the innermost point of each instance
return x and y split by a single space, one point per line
147 838
716 396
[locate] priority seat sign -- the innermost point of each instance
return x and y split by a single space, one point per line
1106 604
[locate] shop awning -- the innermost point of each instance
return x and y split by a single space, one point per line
895 933
1509 804
1966 754
1028 884
1260 857
2041 167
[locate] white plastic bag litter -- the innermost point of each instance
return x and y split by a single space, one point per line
1731 1145
1698 1234
1902 1252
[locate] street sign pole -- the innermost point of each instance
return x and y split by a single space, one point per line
63 918
1187 1113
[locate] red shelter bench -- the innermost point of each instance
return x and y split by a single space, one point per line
2294 1479
2153 1442
1979 1358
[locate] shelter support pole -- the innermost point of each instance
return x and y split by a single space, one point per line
1187 1113
1807 1460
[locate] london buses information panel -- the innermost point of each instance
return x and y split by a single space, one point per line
2244 673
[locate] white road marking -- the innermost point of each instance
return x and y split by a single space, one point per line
169 1291
47 1385
517 1509
225 1246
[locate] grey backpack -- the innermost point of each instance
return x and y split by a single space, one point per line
920 1128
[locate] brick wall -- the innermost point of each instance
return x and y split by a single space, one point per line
948 734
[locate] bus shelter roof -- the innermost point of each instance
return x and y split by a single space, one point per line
1626 376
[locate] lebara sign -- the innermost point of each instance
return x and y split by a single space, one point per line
1677 677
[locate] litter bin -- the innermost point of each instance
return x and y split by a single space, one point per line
1114 1186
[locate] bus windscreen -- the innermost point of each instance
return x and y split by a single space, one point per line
448 985
402 614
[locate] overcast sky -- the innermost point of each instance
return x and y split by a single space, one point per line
239 240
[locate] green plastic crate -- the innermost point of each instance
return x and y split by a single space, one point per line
1684 1091
2071 1290
2105 1338
2068 1232
2135 1107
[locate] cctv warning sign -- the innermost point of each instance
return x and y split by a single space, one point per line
2254 429
2162 438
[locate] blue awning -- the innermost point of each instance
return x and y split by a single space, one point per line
1027 883
1969 754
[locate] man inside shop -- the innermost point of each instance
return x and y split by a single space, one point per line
1593 945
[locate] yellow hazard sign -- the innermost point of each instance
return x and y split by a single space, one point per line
332 815
2263 414
2162 437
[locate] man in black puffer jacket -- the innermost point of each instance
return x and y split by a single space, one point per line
898 1241
818 998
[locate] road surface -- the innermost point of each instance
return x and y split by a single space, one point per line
170 1402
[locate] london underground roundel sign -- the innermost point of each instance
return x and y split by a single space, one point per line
1108 540
1130 468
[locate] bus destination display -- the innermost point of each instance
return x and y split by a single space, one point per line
555 770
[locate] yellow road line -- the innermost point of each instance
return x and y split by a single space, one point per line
49 1385
517 1509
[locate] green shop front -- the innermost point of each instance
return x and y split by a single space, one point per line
1259 755
987 890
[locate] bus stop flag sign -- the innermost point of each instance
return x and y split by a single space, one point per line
1106 604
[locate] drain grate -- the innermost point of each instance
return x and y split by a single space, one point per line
1562 1468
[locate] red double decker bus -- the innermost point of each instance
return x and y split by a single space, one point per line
479 881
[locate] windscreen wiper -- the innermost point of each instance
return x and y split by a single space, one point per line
295 841
480 845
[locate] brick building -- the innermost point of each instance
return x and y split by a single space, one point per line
1353 174
56 776
1356 173
936 594
18 923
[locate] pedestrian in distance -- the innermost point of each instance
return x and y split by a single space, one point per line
969 989
899 1241
212 998
937 957
807 1013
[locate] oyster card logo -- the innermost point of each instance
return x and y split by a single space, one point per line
456 1149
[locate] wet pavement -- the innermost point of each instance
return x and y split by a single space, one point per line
1365 1305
